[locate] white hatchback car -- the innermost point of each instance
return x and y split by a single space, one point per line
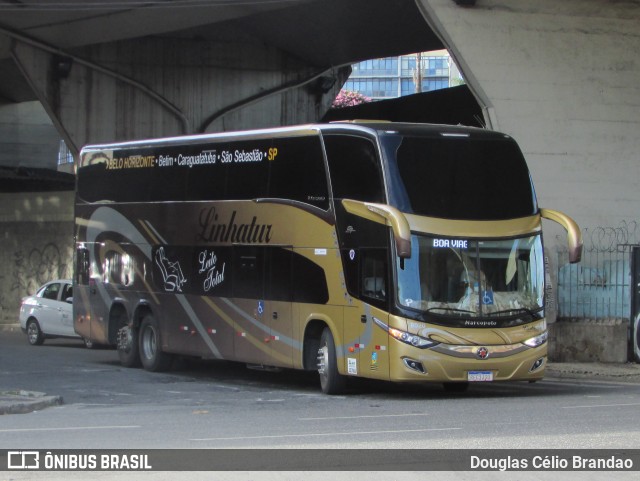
49 313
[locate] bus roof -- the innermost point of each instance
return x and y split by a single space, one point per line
364 126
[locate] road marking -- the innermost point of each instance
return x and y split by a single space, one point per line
112 393
77 428
307 435
601 406
364 416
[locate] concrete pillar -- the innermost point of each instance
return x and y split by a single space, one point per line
562 79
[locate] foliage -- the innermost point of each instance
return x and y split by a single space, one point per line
348 98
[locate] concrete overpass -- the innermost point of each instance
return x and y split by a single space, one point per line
561 77
115 70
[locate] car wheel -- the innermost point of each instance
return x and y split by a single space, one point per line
35 335
128 346
331 381
151 354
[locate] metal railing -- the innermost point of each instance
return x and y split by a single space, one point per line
598 287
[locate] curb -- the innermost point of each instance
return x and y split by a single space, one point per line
15 327
22 402
629 372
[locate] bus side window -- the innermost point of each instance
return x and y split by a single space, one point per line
354 168
373 275
297 171
82 266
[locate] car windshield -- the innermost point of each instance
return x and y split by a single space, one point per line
472 278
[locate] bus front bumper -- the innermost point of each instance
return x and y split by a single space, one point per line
476 364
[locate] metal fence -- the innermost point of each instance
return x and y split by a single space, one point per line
599 287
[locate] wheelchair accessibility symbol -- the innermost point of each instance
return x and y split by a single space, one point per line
260 307
487 298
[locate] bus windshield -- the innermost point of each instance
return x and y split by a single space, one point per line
473 278
465 178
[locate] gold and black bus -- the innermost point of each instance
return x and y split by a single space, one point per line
390 251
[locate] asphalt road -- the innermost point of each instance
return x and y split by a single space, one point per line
224 405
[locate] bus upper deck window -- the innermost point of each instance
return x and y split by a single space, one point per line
354 168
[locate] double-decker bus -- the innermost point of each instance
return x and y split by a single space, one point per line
391 251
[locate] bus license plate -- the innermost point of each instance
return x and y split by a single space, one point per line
479 376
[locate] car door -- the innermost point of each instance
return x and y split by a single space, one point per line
49 311
65 308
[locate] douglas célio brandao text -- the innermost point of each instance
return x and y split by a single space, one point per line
550 463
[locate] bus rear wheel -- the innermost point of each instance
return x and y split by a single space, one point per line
331 381
151 354
128 346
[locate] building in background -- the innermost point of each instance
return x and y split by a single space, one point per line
393 77
65 159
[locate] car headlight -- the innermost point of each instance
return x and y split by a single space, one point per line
538 340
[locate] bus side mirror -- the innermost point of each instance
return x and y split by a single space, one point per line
574 236
384 214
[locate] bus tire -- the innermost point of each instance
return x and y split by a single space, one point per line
128 346
331 381
150 346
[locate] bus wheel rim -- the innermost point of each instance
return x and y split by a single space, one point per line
149 343
323 359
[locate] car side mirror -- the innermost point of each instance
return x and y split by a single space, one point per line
69 300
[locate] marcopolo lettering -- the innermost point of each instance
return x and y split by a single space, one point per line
213 230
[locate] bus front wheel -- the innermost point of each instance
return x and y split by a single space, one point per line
151 354
331 381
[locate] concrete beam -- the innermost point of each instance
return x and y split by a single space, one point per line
27 136
155 87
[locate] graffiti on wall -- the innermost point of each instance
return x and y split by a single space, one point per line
39 265
30 269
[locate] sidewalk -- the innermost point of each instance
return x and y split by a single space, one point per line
20 402
628 372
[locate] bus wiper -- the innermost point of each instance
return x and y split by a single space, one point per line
450 309
520 310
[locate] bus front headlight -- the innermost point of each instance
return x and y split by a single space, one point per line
406 337
539 340
411 339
